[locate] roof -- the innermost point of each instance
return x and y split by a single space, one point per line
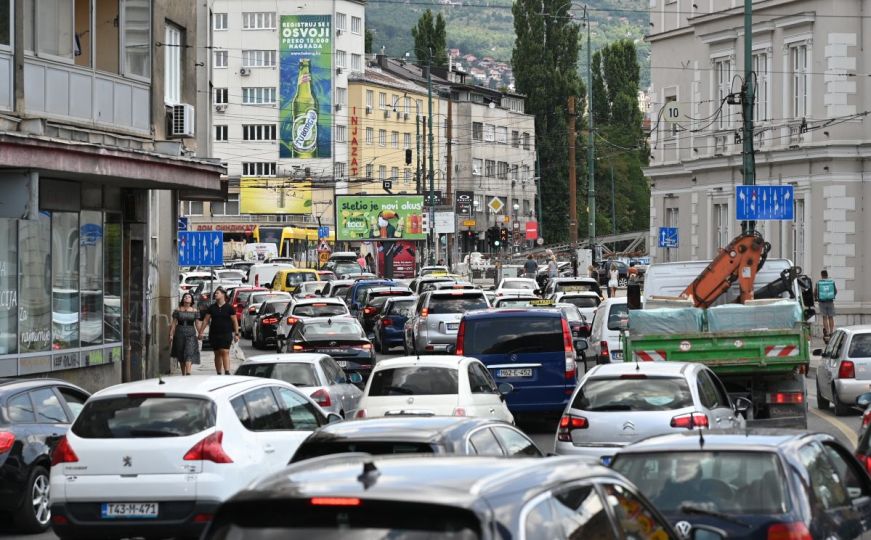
391 288
855 329
645 368
319 300
418 428
290 358
377 77
512 312
203 385
440 360
570 279
749 440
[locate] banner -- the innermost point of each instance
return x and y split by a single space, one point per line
388 217
397 259
306 98
274 196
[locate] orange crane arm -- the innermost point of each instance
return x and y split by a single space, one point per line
740 261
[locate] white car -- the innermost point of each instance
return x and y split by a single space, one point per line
516 287
249 314
611 318
302 308
586 302
156 458
434 385
189 281
310 289
231 275
318 375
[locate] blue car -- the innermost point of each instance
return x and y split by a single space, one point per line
532 349
391 321
357 292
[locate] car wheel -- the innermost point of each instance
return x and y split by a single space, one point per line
822 403
35 513
840 408
622 282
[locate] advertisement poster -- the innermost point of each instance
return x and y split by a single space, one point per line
387 217
306 70
274 196
397 259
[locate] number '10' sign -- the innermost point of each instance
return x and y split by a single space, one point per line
672 112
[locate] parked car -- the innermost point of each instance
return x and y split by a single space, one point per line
419 435
356 293
459 497
34 415
436 319
516 287
307 308
373 302
611 317
263 332
434 385
250 313
289 279
618 404
340 337
156 458
765 484
318 375
389 329
845 370
240 297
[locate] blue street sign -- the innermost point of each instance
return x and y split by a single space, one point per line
201 248
323 232
765 203
668 237
182 223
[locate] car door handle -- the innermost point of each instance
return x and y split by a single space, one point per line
492 411
269 449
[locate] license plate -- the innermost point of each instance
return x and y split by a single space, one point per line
606 460
128 510
453 326
516 372
332 351
617 356
342 363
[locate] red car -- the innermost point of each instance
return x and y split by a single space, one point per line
240 297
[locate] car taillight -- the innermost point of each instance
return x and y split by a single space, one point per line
690 421
846 370
459 411
571 367
322 398
369 310
366 346
335 501
63 453
386 322
292 320
604 353
298 348
786 398
461 337
270 320
361 413
866 419
567 337
7 439
424 312
209 449
567 423
865 461
789 531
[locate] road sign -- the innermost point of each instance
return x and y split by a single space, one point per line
540 241
445 222
765 203
531 230
323 257
323 232
496 204
387 185
201 248
182 223
463 200
668 237
672 112
516 225
469 223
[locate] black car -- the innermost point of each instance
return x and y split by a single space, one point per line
756 484
419 435
34 415
340 337
358 496
373 302
265 323
604 272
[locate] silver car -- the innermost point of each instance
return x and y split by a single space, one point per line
301 308
436 319
317 375
621 403
249 314
845 369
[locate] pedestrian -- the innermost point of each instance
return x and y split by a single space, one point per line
223 329
825 296
530 267
552 268
633 292
370 263
183 343
613 279
362 262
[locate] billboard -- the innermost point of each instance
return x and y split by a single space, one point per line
306 97
274 196
384 217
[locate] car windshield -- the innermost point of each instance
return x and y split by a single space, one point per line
297 374
456 303
347 329
259 298
860 346
633 394
571 313
414 381
618 317
243 296
581 301
526 285
510 335
363 289
275 307
294 278
733 482
145 416
375 448
514 302
339 290
320 309
430 285
377 302
402 309
312 286
345 267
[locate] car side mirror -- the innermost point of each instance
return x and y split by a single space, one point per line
505 388
864 400
333 418
267 286
817 352
581 345
355 378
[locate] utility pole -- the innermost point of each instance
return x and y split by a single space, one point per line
749 160
613 208
417 154
537 181
591 149
448 185
431 171
573 178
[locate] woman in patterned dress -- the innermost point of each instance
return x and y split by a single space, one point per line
183 342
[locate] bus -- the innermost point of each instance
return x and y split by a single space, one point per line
298 243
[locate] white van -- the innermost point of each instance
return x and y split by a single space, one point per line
261 274
610 317
260 251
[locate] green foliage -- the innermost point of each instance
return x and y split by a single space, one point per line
369 37
430 38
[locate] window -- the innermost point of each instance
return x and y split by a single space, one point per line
258 132
370 97
341 21
406 141
48 407
302 414
221 96
524 173
382 100
172 67
526 141
477 167
356 25
370 135
479 382
580 513
502 170
489 168
502 135
515 443
488 336
723 74
539 521
798 62
382 172
220 59
382 137
9 307
340 58
260 95
356 62
192 208
258 168
489 132
798 234
112 277
258 58
406 104
760 104
258 20
369 170
341 96
484 443
220 21
136 36
394 139
265 414
65 280
419 103
477 131
54 27
829 491
228 208
408 175
515 139
5 22
339 170
20 409
91 273
630 511
394 173
74 400
721 226
341 133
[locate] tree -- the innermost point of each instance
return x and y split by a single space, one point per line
430 35
368 43
544 62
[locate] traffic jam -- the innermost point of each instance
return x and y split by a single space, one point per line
397 408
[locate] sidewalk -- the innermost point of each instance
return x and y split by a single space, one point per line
207 363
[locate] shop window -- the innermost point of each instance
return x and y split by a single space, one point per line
112 277
8 286
65 297
34 299
91 275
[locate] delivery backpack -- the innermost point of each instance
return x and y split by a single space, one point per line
826 290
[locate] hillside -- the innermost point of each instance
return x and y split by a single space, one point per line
486 28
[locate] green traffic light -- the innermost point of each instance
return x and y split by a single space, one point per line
496 243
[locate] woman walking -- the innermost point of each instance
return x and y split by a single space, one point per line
613 279
223 329
183 332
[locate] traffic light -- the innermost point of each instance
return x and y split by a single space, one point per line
408 156
503 235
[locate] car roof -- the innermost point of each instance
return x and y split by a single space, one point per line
298 271
388 289
856 329
659 369
752 440
454 292
339 254
565 279
401 428
512 312
14 385
319 300
285 358
612 301
193 385
373 282
438 360
409 298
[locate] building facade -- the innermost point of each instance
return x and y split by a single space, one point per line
810 131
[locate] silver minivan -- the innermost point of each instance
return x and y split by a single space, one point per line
433 325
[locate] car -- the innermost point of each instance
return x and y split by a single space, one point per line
424 283
340 337
327 275
263 331
337 256
239 299
389 328
753 484
156 458
337 288
516 301
34 415
374 300
430 270
343 263
618 404
610 319
356 293
845 369
604 272
362 496
318 375
229 274
419 435
436 318
571 285
516 286
310 289
532 349
240 265
577 323
433 385
262 274
289 279
250 313
586 302
301 308
189 281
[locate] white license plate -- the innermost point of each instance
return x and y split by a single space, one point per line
617 356
342 363
453 326
517 372
129 510
332 351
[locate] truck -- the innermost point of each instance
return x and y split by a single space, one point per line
766 365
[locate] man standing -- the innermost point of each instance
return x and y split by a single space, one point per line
825 295
530 267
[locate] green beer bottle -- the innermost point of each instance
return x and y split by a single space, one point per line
303 137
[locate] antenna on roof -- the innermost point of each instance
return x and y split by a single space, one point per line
369 475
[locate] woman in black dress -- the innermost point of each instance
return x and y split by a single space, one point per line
183 332
223 329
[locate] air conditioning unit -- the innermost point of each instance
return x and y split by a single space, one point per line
182 120
221 107
245 72
368 109
338 106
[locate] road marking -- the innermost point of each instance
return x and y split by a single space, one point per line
842 427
